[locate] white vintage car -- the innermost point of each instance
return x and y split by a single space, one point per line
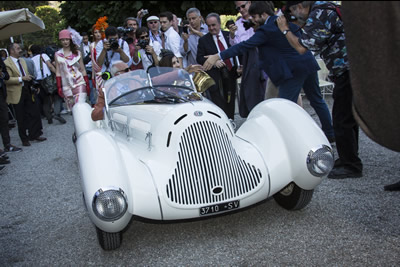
163 152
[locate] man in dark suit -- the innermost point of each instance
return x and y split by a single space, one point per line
224 92
286 68
20 95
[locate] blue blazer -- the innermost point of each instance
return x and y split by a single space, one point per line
276 56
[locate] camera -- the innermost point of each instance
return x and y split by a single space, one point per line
106 75
122 32
247 24
229 23
35 86
145 12
35 83
185 28
143 43
113 43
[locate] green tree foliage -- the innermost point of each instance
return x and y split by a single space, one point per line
53 22
81 15
12 5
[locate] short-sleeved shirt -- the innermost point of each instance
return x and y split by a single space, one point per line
46 71
112 55
323 34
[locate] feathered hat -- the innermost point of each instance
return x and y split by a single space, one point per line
101 25
72 34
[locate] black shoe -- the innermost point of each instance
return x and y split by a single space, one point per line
342 173
39 139
4 161
392 187
11 148
26 143
338 163
50 121
4 156
60 119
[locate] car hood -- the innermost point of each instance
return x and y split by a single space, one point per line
194 156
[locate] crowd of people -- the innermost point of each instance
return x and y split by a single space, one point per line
273 56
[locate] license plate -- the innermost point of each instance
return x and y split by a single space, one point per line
227 206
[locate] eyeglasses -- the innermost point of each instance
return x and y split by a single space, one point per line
121 71
240 7
144 37
152 22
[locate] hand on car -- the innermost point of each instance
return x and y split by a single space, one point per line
194 68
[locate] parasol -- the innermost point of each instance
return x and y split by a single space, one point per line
20 21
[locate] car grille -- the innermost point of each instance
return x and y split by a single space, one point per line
208 168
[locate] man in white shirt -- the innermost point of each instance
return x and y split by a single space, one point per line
149 51
43 69
112 49
170 39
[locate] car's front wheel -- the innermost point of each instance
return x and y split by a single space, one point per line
293 197
74 138
109 241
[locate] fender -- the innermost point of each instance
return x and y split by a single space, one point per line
82 118
275 127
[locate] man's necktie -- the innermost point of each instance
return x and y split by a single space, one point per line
21 69
163 40
222 48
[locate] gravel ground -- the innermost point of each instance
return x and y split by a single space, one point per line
350 222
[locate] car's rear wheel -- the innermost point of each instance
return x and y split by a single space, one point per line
293 197
109 241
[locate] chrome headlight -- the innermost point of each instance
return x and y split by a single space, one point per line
109 205
320 162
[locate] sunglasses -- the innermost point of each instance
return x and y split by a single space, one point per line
144 37
122 71
240 7
153 22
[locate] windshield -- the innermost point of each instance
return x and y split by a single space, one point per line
160 85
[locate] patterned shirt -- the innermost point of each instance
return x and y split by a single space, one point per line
323 34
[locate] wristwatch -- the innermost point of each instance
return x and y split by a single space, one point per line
285 32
